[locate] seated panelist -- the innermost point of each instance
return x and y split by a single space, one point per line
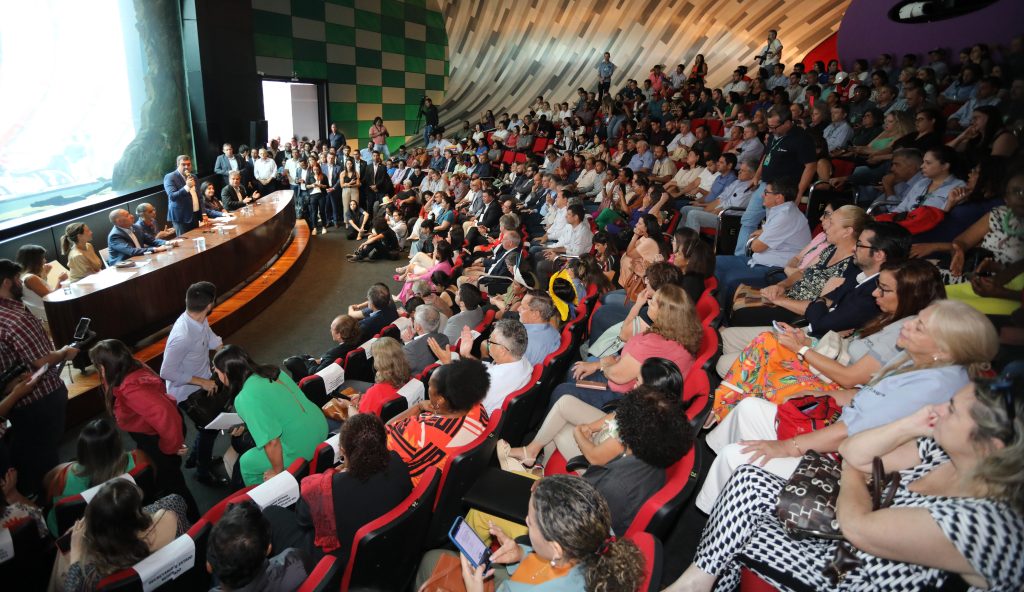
145 223
235 195
124 243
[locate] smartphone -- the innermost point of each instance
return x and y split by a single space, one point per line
42 369
469 544
778 328
82 329
64 542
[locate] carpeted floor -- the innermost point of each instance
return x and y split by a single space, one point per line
298 322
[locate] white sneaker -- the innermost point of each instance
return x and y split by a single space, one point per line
324 231
313 233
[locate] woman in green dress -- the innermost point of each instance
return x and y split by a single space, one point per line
283 423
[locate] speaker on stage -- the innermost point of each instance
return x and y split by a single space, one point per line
258 133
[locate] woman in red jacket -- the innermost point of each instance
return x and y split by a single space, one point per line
138 400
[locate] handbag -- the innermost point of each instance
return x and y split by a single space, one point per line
802 415
807 506
202 407
832 346
447 576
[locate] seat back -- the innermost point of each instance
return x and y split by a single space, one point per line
383 550
164 568
709 349
313 387
393 408
697 395
32 560
517 411
391 331
819 197
711 284
459 471
650 548
658 514
358 366
708 309
69 509
324 576
727 235
323 456
553 370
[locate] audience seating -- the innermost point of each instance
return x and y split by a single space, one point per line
313 387
385 551
459 471
658 514
33 557
69 509
324 576
323 457
652 551
708 310
358 366
392 331
393 407
697 395
519 409
710 349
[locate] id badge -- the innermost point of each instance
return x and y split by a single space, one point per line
768 159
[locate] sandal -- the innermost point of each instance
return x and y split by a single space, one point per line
510 463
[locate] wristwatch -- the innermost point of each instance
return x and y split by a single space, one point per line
803 351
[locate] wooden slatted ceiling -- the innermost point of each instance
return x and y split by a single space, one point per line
504 53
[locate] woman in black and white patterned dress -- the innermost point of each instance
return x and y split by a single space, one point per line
959 508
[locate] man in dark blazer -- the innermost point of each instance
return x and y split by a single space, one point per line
124 243
184 206
425 326
852 305
377 181
332 177
235 195
485 226
228 162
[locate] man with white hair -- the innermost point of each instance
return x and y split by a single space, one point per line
425 325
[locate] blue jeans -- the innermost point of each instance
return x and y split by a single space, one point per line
593 397
732 271
751 220
427 130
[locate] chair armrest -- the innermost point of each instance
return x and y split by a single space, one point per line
883 203
576 463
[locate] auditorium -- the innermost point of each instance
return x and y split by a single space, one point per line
487 295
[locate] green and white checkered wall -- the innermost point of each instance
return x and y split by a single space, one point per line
379 57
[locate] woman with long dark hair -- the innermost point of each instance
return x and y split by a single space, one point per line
137 399
283 423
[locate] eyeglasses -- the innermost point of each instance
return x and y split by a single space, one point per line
491 342
861 245
766 192
826 215
883 290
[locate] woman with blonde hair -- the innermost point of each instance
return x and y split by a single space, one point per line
946 346
675 334
897 124
83 259
391 374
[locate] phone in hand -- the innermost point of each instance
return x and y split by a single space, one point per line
469 544
778 327
82 329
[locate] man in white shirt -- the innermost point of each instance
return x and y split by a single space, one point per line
737 84
772 52
684 137
735 195
265 169
291 168
751 147
556 224
576 239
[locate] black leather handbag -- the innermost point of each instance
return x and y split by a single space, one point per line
203 407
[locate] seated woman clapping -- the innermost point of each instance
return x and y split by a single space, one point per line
779 365
570 548
117 532
945 346
959 508
452 416
674 335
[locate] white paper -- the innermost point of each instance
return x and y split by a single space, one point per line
6 545
90 493
333 375
335 443
280 490
366 347
225 421
412 391
56 269
403 323
169 562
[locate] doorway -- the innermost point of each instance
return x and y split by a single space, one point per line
292 109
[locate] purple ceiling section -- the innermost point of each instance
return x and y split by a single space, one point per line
866 30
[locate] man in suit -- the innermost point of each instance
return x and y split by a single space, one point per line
234 195
228 162
146 226
332 177
124 243
425 325
184 206
479 228
377 182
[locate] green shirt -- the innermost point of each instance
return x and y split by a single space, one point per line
277 410
73 485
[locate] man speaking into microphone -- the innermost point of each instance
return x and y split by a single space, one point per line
184 209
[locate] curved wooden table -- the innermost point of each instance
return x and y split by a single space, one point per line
132 304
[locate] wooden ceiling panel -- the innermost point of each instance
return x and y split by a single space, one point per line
504 53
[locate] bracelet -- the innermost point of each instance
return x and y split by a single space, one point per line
803 351
797 446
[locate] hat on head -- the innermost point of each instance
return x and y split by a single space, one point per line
841 76
563 293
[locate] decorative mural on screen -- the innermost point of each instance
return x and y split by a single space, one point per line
379 57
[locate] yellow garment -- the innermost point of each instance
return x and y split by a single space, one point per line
479 521
990 306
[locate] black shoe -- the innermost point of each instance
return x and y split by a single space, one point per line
212 480
190 461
